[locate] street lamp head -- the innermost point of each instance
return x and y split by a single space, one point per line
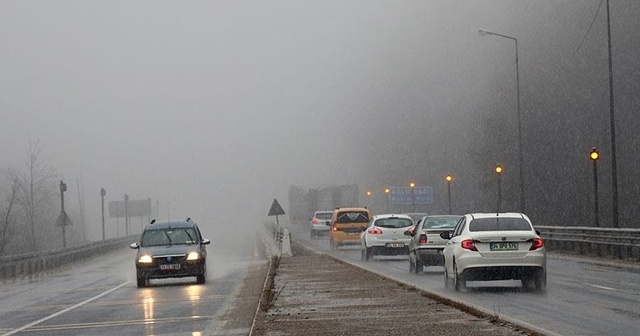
412 185
498 169
368 193
449 178
387 190
594 155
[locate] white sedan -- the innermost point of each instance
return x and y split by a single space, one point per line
384 235
495 246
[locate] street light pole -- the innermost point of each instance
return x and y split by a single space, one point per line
449 178
498 171
594 156
484 32
413 197
387 191
614 166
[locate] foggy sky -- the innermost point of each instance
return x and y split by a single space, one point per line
217 107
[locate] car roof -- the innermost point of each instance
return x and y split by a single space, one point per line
324 211
351 209
157 225
497 215
391 215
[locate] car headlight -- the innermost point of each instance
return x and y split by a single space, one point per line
145 259
193 256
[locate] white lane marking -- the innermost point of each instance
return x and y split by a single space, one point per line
603 287
14 331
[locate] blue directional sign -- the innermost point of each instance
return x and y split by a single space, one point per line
405 195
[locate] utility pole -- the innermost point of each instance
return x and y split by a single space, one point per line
63 215
126 214
103 193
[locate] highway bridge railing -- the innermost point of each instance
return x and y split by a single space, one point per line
623 244
31 263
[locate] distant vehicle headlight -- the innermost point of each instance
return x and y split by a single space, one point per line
145 259
193 256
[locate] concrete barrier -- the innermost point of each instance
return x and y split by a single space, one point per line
623 244
32 263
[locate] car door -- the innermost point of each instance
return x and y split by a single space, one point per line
413 243
452 244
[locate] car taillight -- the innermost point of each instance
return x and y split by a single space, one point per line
422 239
536 243
334 229
315 220
374 231
469 244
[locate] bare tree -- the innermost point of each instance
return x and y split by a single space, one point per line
36 184
8 213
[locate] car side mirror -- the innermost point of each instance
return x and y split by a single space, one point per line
134 246
445 235
409 232
205 241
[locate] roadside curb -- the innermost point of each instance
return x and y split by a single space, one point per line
266 291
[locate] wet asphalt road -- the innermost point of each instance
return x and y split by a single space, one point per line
581 298
100 297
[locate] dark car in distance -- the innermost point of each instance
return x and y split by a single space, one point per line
170 249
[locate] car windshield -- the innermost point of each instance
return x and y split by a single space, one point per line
161 237
353 217
499 224
324 215
441 223
394 222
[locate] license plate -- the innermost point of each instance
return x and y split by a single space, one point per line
353 233
503 246
395 244
170 267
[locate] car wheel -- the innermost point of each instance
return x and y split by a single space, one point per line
418 267
200 278
537 283
459 282
412 265
332 245
363 253
369 253
141 282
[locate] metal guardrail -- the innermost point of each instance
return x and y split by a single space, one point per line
623 244
32 263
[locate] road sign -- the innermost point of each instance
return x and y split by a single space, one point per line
135 208
63 219
276 209
408 196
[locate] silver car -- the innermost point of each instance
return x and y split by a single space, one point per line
426 245
320 224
